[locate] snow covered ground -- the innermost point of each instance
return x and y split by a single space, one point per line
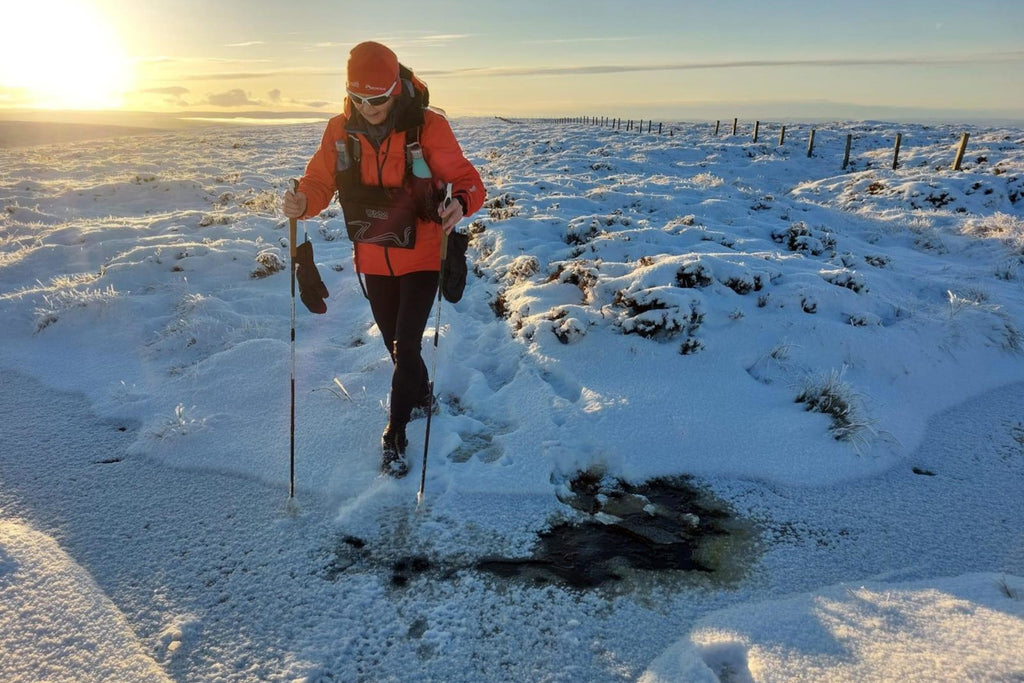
645 306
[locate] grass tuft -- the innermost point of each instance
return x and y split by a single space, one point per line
830 395
1008 590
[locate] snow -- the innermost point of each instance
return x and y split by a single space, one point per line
57 623
644 306
957 629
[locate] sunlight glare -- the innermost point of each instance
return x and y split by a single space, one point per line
61 54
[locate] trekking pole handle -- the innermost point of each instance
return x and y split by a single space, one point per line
444 234
293 226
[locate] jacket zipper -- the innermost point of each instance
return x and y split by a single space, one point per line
380 182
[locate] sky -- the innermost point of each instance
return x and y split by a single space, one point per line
661 58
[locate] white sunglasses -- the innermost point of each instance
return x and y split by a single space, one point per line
374 101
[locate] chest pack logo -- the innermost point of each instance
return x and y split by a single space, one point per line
370 233
385 216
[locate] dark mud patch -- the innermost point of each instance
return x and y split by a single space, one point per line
351 554
405 568
612 534
623 529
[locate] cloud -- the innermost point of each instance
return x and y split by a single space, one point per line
435 41
248 75
190 61
442 37
274 95
595 39
232 98
12 95
401 41
1009 56
174 91
172 95
247 44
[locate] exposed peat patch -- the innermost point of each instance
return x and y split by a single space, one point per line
666 524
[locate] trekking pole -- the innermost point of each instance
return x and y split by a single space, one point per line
293 238
433 369
433 374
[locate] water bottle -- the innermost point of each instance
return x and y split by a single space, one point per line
343 159
419 164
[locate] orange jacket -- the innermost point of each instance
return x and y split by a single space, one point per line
386 166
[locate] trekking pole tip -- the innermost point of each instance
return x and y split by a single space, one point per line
292 507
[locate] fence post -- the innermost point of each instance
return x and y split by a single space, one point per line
716 127
757 125
846 156
960 152
734 123
659 129
896 152
782 136
810 144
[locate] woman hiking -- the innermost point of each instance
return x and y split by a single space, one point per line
395 211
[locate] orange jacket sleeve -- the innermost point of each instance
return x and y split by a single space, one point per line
318 181
447 162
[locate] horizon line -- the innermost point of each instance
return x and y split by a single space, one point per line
697 113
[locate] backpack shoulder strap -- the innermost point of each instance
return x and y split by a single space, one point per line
355 149
420 93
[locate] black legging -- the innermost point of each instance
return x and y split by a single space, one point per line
401 306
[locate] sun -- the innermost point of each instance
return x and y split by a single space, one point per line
61 54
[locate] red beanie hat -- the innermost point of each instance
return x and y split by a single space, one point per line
372 69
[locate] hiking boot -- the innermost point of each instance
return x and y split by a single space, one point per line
392 448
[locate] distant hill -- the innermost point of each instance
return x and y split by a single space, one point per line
25 128
30 133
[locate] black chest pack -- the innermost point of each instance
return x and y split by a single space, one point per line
386 216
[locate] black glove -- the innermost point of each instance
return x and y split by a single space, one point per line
454 268
312 289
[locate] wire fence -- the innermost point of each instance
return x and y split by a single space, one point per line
638 126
